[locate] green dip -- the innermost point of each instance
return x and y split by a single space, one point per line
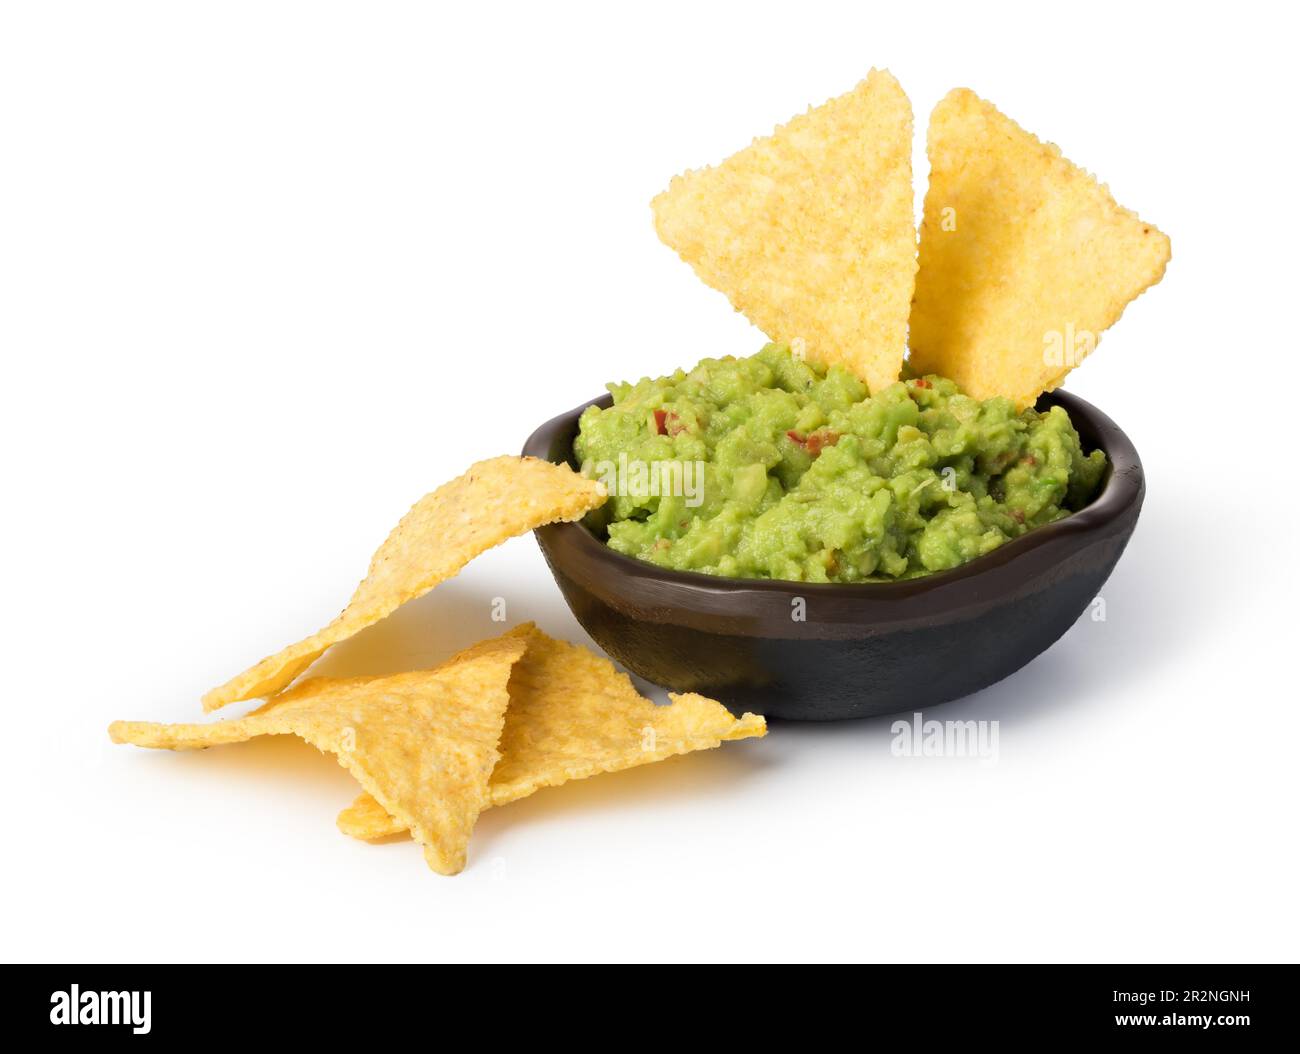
768 467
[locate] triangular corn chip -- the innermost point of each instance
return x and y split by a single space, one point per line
811 231
1025 258
495 500
573 715
424 744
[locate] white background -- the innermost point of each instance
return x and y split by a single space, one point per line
269 272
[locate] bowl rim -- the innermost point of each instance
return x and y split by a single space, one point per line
1122 487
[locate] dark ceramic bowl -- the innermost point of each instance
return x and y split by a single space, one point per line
863 650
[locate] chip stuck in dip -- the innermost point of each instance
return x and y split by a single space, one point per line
769 467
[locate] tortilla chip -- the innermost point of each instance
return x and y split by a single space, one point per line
423 744
366 820
495 500
1025 258
811 231
573 715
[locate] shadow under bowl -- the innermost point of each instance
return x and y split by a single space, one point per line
860 650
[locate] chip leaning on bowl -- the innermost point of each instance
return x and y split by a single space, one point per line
771 467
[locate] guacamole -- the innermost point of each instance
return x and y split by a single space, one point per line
769 467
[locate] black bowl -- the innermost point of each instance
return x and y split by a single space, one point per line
862 650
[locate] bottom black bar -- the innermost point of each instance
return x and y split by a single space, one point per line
171 1003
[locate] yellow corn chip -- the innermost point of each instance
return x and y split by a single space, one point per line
423 744
573 715
495 500
366 820
1025 258
810 232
